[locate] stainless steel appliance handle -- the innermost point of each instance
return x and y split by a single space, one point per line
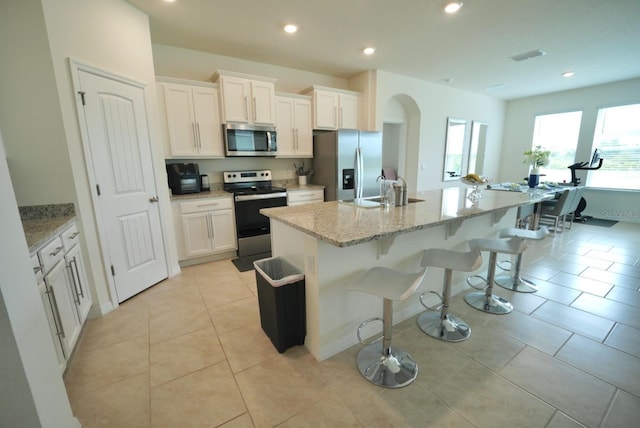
268 141
358 174
240 198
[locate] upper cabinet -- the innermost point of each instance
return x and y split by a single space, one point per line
193 126
334 108
247 99
293 120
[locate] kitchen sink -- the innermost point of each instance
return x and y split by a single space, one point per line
372 202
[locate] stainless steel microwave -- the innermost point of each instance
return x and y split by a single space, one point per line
249 140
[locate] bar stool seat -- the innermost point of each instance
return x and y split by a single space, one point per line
485 300
516 282
378 362
442 325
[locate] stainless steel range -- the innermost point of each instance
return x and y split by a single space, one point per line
253 191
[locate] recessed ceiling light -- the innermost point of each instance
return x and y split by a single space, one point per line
452 6
368 51
169 1
290 28
567 74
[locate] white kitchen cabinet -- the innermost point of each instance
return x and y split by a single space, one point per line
193 120
293 120
58 290
79 285
208 227
334 109
62 283
246 100
80 293
48 311
304 196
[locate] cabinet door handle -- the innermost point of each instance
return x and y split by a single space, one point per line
57 320
335 116
76 298
74 235
153 199
340 117
246 108
75 264
210 226
195 140
199 138
37 269
297 142
255 109
56 251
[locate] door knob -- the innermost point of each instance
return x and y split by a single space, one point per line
153 199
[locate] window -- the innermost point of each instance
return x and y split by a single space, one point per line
617 137
558 133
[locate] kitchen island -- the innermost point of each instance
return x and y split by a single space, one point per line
333 242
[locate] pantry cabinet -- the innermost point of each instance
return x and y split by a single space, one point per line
293 120
334 108
193 123
247 101
208 227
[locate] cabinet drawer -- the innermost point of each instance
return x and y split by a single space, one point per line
51 254
70 237
306 196
205 205
37 269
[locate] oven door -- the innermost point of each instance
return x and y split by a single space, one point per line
253 228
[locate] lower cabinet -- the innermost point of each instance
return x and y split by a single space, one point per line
63 287
58 290
208 227
304 196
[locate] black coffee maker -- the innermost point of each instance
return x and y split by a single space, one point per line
183 178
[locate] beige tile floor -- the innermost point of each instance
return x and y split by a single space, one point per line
189 352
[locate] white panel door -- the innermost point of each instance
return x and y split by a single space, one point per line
117 129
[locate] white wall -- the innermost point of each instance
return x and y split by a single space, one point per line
30 114
435 103
519 121
33 393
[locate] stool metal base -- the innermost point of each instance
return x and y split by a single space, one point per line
451 329
515 284
395 370
492 304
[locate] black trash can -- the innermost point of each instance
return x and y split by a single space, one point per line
281 297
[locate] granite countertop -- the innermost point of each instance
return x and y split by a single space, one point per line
344 225
43 222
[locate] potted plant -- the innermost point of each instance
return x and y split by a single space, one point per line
536 158
302 173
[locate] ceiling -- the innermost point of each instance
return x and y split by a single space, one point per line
597 39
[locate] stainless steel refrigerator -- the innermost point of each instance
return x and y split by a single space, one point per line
347 163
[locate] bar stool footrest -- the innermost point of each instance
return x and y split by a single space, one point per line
395 370
450 329
477 287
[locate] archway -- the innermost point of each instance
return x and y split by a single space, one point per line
400 137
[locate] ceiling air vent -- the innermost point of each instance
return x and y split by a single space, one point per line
528 55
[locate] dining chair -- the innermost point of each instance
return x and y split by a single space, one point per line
558 209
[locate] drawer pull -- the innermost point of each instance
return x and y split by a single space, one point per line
56 251
37 269
74 235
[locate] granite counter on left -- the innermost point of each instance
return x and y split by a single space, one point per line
42 222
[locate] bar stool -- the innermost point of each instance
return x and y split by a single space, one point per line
442 325
485 300
379 363
516 282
